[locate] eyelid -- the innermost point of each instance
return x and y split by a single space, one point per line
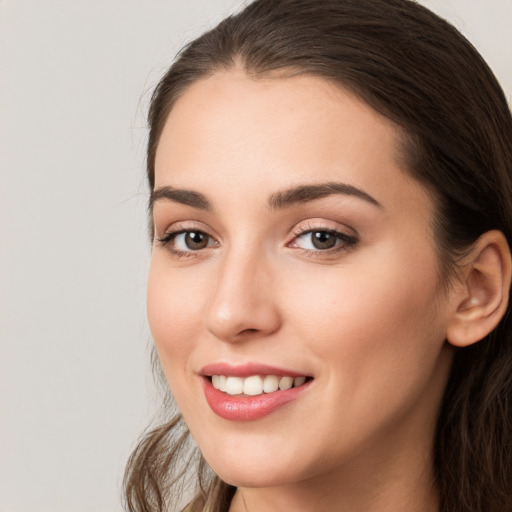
166 239
345 234
180 227
323 225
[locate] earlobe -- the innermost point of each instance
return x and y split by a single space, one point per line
481 296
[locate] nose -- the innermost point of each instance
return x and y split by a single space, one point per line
243 304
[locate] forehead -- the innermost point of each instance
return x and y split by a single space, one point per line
271 133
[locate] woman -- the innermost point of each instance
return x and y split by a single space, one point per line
331 209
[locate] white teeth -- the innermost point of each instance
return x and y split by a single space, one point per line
222 382
219 382
234 385
298 381
270 384
286 383
255 384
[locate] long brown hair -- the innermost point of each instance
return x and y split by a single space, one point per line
420 72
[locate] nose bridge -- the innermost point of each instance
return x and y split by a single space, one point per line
243 302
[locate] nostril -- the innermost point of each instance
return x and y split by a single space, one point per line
246 333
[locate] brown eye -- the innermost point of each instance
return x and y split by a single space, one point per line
196 240
187 241
323 239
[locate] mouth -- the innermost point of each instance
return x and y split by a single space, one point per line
251 392
256 385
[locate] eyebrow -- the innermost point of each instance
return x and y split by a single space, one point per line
187 197
279 200
305 193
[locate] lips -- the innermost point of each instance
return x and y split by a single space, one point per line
250 392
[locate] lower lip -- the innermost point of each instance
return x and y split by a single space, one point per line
248 408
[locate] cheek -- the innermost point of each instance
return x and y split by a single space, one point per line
374 325
378 336
174 313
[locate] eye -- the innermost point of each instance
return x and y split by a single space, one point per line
323 240
191 240
186 241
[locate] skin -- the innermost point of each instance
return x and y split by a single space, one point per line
368 321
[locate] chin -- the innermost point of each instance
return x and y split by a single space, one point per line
265 466
261 476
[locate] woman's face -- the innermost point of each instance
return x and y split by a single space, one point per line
290 242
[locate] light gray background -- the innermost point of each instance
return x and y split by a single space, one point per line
75 76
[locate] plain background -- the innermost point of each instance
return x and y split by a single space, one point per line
75 78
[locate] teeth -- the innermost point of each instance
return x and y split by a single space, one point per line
255 384
219 382
298 381
286 383
270 384
234 385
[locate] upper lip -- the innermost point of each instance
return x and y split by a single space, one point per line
246 370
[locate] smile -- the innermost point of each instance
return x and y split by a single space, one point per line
252 397
255 385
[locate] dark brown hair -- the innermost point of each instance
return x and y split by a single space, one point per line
419 71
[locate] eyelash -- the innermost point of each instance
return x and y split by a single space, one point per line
168 237
349 242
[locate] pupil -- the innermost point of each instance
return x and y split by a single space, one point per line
196 240
323 240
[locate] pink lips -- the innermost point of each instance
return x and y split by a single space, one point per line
246 370
243 407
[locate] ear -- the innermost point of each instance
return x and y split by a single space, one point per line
480 298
